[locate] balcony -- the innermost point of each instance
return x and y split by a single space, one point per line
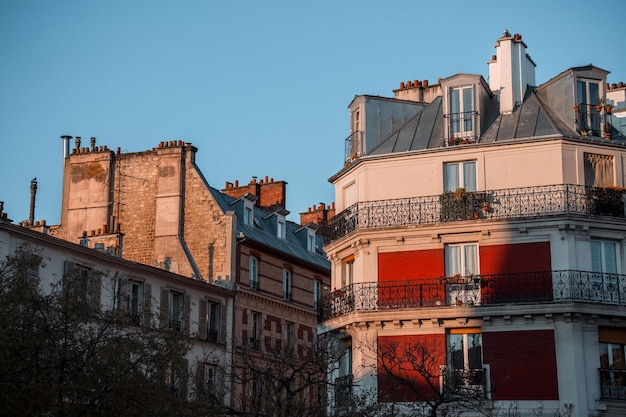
464 382
475 291
354 147
508 204
613 383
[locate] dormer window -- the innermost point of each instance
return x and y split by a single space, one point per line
461 115
248 212
280 226
310 239
588 106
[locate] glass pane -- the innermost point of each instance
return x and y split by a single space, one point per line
604 355
471 260
467 108
453 261
451 177
610 265
594 93
455 104
618 356
582 92
469 176
475 355
596 256
457 358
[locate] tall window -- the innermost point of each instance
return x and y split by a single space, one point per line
310 239
347 271
280 226
598 170
588 94
177 301
465 358
248 213
253 273
603 256
317 290
461 259
255 330
461 112
461 263
288 338
214 321
612 362
459 175
287 284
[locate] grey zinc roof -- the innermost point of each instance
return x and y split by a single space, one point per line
263 232
423 131
533 118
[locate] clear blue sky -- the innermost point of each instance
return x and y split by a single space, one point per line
260 87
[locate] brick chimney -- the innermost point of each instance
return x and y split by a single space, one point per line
511 71
271 194
317 215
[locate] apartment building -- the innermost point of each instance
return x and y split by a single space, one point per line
478 248
156 208
149 299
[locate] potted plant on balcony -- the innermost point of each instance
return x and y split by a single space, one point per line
608 109
608 201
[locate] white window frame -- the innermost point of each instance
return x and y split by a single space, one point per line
281 226
463 115
462 265
317 291
464 339
253 272
248 212
287 284
465 176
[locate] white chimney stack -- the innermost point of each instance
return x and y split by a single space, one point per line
511 71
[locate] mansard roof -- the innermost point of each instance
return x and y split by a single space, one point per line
263 232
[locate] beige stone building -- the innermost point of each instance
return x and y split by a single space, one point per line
156 208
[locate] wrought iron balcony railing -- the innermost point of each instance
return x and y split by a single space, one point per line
613 383
478 290
511 203
354 146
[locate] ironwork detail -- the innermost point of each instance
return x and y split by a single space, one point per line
511 203
613 383
475 291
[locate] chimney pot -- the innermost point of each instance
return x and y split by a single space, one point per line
425 83
236 183
402 85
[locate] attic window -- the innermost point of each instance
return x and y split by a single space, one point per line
248 212
461 115
588 96
310 239
280 226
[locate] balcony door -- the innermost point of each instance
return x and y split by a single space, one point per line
461 264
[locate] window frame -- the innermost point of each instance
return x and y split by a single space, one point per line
463 169
253 272
461 120
287 284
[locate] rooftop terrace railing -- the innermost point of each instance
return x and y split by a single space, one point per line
511 203
477 290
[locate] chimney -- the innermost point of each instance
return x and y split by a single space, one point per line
511 71
33 191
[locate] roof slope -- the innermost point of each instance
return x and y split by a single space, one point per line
533 118
263 232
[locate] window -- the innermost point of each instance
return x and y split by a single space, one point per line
129 297
280 226
317 289
461 264
310 239
459 175
210 320
598 170
248 212
255 330
344 380
177 301
461 112
465 360
588 95
612 343
82 285
254 273
287 284
209 383
347 271
288 338
603 256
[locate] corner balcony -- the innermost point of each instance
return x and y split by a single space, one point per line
475 291
461 205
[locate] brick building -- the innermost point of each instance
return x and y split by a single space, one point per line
478 245
156 208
